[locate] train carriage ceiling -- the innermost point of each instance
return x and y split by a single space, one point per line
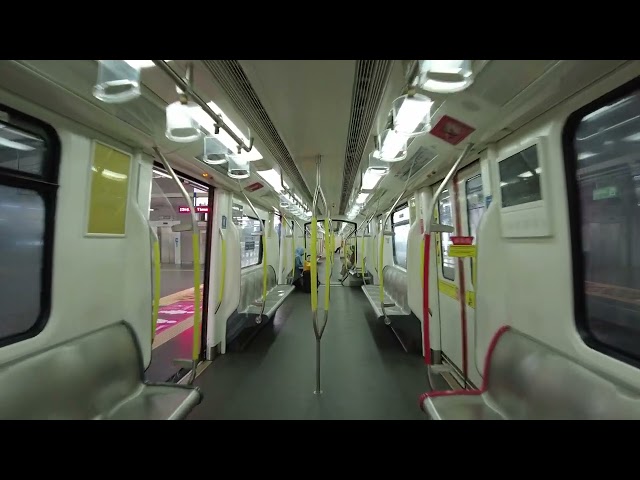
299 109
323 109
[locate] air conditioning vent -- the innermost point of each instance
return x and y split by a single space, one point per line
231 77
368 88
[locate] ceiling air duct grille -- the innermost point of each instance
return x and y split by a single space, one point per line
368 88
231 77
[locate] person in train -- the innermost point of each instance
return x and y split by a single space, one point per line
352 257
299 267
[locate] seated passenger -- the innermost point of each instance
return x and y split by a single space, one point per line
352 257
299 267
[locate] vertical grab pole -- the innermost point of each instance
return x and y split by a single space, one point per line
156 282
293 250
223 242
314 275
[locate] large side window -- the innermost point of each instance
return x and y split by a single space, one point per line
446 218
602 153
277 226
250 239
400 225
475 209
29 157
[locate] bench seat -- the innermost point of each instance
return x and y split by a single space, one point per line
275 297
99 376
525 379
250 305
395 293
372 292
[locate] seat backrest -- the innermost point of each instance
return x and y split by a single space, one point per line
530 380
251 286
79 379
271 279
395 284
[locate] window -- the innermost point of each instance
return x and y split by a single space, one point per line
520 178
277 226
29 156
250 238
602 154
400 227
475 209
446 218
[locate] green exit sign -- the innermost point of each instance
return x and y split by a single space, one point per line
605 192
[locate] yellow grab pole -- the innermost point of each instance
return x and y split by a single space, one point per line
195 353
327 268
156 292
224 270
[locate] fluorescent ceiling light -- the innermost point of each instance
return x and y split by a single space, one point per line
15 145
409 112
394 147
362 198
525 174
272 178
142 63
370 179
208 124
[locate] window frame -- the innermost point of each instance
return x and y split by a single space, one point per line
260 242
399 224
574 213
46 186
475 234
442 254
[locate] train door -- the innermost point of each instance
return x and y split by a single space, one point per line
174 333
450 328
468 209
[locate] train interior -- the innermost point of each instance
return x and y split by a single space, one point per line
319 239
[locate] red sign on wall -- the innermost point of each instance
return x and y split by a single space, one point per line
198 209
254 186
451 130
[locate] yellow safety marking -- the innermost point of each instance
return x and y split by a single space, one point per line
449 289
471 299
462 251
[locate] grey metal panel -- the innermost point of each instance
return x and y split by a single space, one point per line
22 253
395 291
157 402
250 292
94 376
528 380
460 407
167 249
